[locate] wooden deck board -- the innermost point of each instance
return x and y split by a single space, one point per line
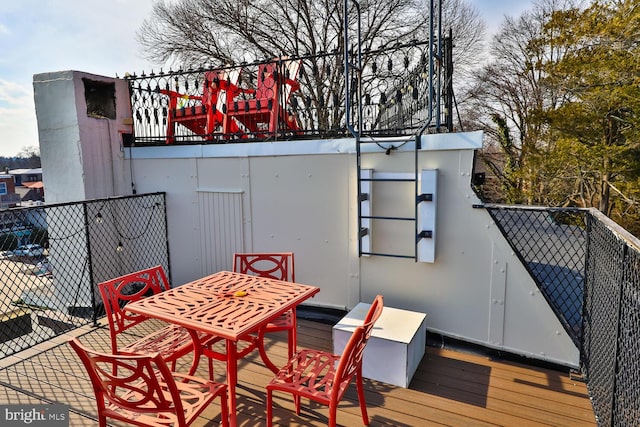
450 388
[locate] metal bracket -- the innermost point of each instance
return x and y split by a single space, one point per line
363 232
424 234
427 197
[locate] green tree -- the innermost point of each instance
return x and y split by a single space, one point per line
599 78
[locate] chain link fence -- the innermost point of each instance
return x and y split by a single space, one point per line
52 257
612 324
588 269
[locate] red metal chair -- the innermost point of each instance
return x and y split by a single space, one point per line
141 390
202 114
324 377
266 113
171 342
279 266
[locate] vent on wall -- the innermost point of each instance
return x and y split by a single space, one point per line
221 229
100 98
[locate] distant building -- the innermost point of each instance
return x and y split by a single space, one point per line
8 196
23 176
28 184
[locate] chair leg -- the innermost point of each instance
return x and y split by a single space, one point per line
363 403
170 130
333 409
269 409
210 362
296 400
292 334
211 373
292 341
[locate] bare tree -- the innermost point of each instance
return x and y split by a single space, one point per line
508 96
30 152
219 32
469 32
201 33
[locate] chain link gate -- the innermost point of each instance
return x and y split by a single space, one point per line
52 257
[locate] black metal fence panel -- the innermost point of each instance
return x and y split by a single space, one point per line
626 409
54 255
601 317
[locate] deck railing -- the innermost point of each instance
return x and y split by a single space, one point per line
588 269
49 287
393 101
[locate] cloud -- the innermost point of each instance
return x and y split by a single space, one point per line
4 29
18 127
15 94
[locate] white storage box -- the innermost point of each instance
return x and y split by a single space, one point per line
395 348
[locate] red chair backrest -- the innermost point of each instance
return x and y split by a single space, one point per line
275 78
131 382
118 292
278 266
211 87
217 84
267 86
351 358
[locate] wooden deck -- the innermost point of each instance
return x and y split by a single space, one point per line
450 388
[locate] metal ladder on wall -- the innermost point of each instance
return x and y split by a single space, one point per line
424 189
366 179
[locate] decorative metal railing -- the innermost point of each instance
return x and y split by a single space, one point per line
285 98
54 255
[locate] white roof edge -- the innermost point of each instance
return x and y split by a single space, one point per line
430 142
25 171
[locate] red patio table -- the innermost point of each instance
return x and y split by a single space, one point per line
229 306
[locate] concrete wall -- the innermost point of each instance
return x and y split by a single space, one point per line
80 148
301 196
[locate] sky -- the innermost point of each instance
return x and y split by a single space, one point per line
97 37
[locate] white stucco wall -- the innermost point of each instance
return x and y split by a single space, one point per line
80 154
301 196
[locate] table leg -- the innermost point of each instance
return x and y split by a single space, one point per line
232 379
292 337
263 352
197 352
